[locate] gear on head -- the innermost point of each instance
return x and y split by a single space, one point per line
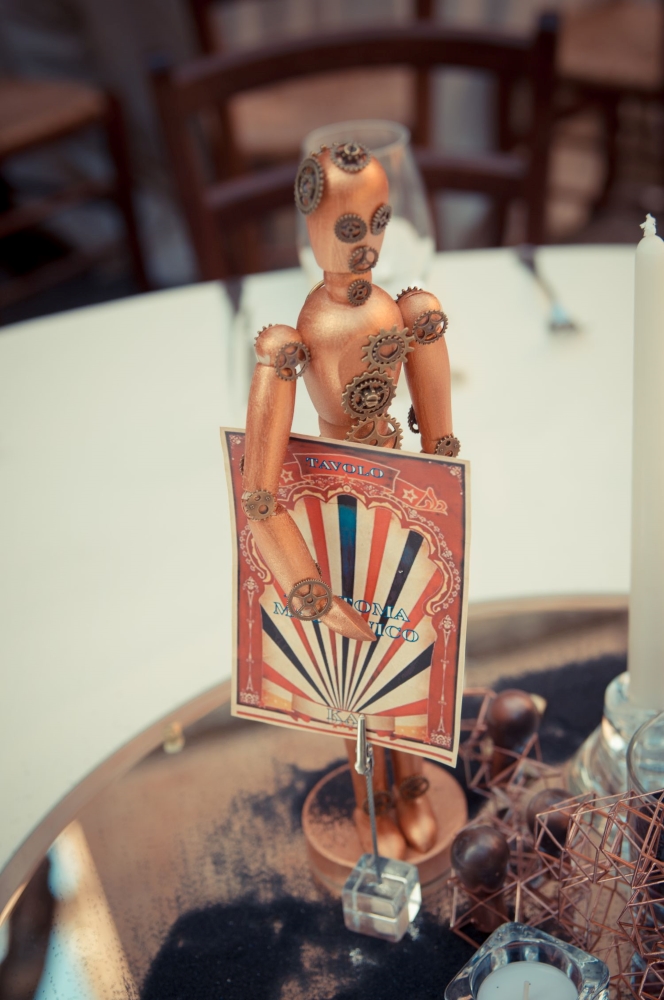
258 504
350 156
362 259
350 228
309 185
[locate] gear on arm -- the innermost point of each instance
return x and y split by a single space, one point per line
282 357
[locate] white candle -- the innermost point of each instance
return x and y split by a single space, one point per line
646 605
545 982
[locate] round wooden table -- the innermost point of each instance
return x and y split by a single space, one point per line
114 539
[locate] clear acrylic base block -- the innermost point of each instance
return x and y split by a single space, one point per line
600 764
381 908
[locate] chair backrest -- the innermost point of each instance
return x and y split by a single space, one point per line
207 84
210 41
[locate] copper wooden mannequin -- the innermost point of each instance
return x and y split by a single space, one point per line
350 343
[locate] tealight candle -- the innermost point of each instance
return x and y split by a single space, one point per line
518 962
527 981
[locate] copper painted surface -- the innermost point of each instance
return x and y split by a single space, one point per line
349 346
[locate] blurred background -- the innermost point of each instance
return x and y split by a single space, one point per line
96 203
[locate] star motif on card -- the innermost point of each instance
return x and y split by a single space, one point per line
410 496
286 476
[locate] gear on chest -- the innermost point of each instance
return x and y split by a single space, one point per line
368 395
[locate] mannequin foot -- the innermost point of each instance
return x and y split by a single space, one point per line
416 818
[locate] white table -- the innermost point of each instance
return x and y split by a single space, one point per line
114 540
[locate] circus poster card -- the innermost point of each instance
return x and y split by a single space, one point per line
389 531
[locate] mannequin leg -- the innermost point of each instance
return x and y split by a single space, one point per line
416 818
391 843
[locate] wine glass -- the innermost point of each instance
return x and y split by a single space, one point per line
409 242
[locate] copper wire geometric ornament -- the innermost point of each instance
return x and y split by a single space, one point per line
611 887
595 880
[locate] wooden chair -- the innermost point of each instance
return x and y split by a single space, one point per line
265 127
610 52
184 93
34 113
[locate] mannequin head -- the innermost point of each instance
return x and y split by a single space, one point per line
343 192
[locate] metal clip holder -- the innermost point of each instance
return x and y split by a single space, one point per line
381 896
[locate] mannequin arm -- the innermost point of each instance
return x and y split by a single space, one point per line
281 358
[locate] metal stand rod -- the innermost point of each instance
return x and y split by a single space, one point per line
364 764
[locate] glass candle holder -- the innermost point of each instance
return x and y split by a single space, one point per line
523 962
409 243
645 775
645 757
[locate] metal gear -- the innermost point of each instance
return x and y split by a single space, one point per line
369 432
414 786
309 185
359 291
291 360
387 348
350 228
430 326
309 599
350 156
368 395
258 504
448 446
413 425
405 291
362 259
380 219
